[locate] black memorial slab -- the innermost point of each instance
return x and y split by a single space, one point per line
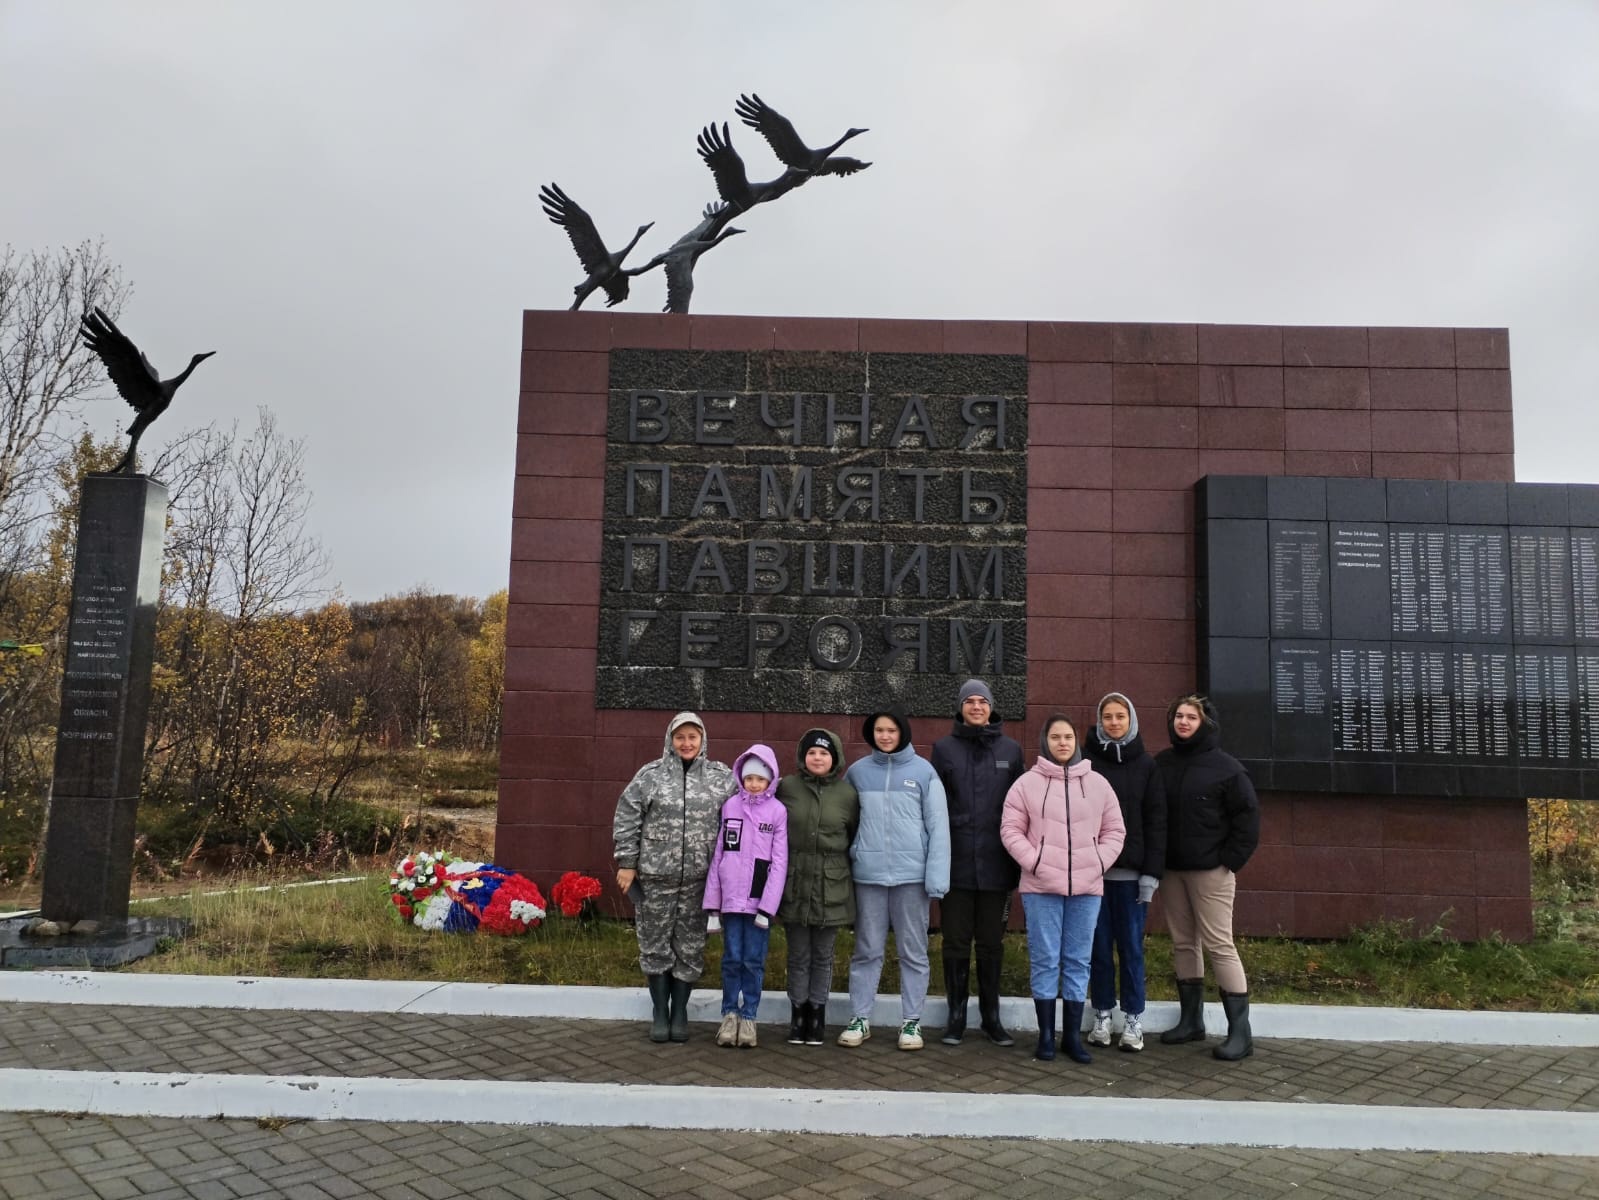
1404 636
105 698
813 532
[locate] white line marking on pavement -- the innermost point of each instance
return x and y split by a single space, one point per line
1321 1022
789 1110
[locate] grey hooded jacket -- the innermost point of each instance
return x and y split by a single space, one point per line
666 817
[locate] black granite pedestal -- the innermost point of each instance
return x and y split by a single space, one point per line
105 699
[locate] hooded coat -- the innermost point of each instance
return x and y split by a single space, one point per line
666 817
1213 816
750 863
977 764
1063 826
823 814
904 826
1131 771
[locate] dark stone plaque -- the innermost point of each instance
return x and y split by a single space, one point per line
1541 584
1539 504
1240 684
105 697
1299 579
1301 700
1587 714
1423 682
1545 710
1362 699
1585 585
813 532
1478 583
1234 594
1418 573
1485 722
1418 501
1357 499
1360 579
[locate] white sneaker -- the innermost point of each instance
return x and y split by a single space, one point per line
727 1031
1132 1034
746 1034
910 1035
856 1032
1099 1035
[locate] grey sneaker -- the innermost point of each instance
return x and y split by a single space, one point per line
746 1034
727 1031
1132 1034
910 1035
856 1032
1099 1035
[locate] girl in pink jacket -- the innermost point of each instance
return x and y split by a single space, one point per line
744 888
1063 826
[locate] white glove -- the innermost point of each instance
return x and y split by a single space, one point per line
1146 888
713 923
762 921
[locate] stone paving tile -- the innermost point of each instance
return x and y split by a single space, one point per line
609 1164
352 1044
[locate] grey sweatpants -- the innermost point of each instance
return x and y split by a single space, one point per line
810 962
670 924
904 908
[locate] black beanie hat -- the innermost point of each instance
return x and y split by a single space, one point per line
819 740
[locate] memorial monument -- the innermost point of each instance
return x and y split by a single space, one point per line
105 689
777 520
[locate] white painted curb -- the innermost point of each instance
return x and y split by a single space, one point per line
874 1114
1312 1021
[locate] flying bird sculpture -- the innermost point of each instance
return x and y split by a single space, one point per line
732 183
604 268
738 195
786 144
135 379
679 258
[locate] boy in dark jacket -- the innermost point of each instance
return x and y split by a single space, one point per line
977 765
1115 750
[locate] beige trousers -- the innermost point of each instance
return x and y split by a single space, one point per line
1199 914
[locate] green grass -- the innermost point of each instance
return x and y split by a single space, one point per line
349 931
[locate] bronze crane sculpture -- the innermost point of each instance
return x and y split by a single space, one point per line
732 184
604 268
786 144
679 258
135 379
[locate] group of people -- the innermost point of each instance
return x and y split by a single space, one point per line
1088 833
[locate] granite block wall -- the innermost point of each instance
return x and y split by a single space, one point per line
1122 420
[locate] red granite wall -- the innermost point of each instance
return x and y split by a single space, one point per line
1123 419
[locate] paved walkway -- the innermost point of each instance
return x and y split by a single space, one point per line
1169 1121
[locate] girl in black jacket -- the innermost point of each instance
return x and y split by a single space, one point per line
1212 827
1115 750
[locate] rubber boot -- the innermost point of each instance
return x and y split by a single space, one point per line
1190 1025
660 1007
799 1019
1071 1032
957 990
681 991
1045 1051
815 1024
988 1001
1240 1041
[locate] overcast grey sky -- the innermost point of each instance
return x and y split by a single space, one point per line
341 198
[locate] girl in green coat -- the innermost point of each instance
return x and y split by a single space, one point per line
823 812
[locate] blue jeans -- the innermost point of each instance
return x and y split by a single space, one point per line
1119 940
1060 939
743 964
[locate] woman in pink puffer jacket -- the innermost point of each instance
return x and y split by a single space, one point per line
1063 826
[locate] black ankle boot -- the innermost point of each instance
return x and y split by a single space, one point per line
1071 1032
1190 1025
957 989
1045 1052
681 990
799 1019
1240 1041
816 1024
988 971
660 1007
